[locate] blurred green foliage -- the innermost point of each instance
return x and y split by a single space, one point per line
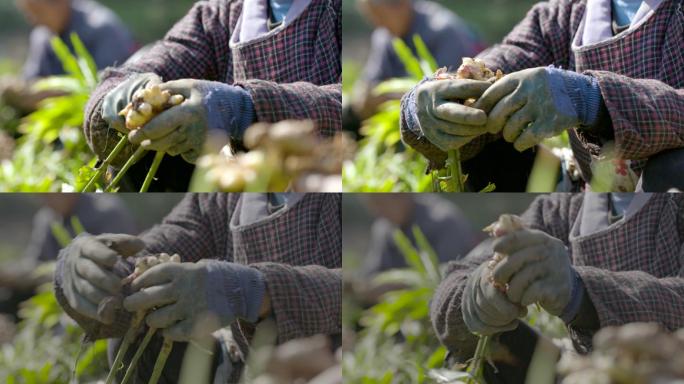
51 148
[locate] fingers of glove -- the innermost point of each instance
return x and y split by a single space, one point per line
535 293
164 317
520 239
79 303
191 156
433 130
125 245
540 130
91 248
165 143
180 148
157 275
517 123
179 87
516 261
151 297
467 120
494 307
164 123
503 110
101 278
499 90
525 277
88 291
181 331
461 89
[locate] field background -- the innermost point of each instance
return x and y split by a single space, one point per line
148 20
492 19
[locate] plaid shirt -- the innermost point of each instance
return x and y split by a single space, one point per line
633 272
298 249
295 73
638 74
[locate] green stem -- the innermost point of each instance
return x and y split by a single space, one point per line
158 157
161 361
137 155
123 348
138 354
456 172
477 364
103 167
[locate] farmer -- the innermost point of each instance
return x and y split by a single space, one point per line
236 62
445 34
103 34
247 258
594 260
603 71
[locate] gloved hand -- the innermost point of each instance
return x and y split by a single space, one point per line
444 121
121 95
208 105
538 270
534 104
487 311
180 295
88 275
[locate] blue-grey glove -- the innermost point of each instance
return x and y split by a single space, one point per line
537 269
87 270
486 310
121 95
181 296
437 108
534 104
208 106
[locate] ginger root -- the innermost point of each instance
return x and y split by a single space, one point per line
473 69
506 224
146 104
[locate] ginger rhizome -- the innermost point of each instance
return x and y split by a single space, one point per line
504 225
146 103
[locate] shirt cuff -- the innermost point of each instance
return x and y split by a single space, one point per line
572 308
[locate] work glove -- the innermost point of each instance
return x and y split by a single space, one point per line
441 116
535 104
537 269
88 276
180 296
208 106
119 97
486 310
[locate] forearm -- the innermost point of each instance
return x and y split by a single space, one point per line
303 300
645 115
297 101
445 307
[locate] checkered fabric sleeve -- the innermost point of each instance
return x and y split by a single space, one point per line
306 300
297 101
647 115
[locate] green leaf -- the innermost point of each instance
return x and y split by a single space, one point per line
69 62
85 61
428 62
60 233
410 62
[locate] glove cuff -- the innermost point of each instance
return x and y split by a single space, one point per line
235 290
229 108
575 94
577 292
